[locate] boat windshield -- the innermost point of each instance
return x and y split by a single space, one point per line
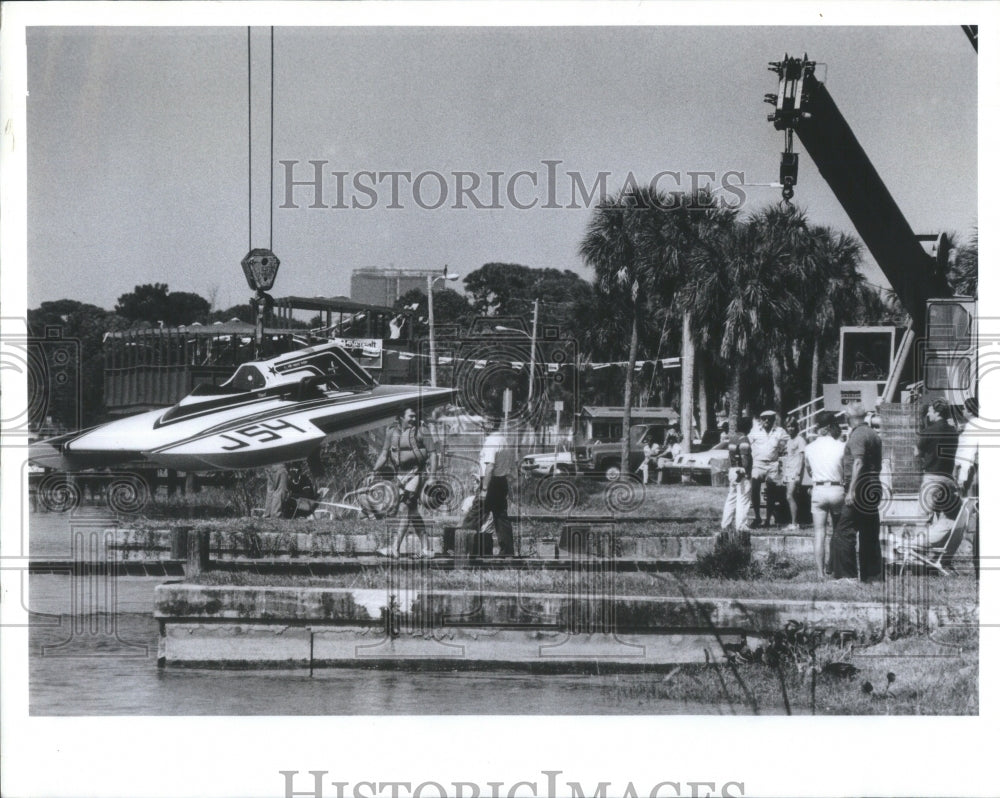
341 371
248 377
330 368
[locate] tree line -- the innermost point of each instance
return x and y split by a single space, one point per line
753 304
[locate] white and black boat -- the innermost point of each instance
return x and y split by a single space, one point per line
269 411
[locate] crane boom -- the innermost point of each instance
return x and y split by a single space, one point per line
803 105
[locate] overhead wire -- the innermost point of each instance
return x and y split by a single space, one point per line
249 148
270 163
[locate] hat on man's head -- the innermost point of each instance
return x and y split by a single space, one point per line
768 414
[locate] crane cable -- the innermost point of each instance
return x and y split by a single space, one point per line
270 230
249 147
270 163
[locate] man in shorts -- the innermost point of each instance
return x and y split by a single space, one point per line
791 471
407 451
824 463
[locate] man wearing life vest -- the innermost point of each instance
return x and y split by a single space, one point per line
412 457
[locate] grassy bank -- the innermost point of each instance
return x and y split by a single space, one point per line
562 496
912 676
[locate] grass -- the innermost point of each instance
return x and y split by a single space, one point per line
667 510
593 496
930 676
561 496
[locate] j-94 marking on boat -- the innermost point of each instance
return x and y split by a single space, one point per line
263 432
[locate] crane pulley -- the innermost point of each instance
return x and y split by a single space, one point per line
788 112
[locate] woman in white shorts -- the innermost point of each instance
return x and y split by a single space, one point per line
824 461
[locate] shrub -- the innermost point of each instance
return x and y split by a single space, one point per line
730 559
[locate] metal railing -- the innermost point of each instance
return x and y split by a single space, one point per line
806 413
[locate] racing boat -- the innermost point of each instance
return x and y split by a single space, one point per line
269 411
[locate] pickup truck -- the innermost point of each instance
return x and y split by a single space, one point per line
604 459
544 464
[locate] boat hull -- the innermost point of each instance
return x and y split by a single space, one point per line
275 429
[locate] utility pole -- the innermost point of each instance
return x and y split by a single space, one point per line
531 366
430 321
431 279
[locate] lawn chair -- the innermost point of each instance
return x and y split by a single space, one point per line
328 506
938 554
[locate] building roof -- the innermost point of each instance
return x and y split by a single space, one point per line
201 330
393 272
649 413
335 304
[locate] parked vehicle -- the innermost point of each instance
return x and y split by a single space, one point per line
545 464
697 465
604 459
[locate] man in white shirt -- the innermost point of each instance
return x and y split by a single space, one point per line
824 461
497 464
767 444
966 471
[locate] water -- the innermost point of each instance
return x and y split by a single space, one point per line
50 536
93 652
110 683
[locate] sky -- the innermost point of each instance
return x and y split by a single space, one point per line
138 168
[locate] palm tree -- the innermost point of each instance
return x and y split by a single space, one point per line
669 241
963 273
832 292
616 247
697 295
795 263
746 287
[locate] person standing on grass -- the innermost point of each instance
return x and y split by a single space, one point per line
767 446
824 463
791 471
406 450
277 491
859 521
736 510
497 464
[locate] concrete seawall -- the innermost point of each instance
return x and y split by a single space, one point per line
236 626
157 545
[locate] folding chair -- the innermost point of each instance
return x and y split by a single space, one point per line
911 551
326 508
